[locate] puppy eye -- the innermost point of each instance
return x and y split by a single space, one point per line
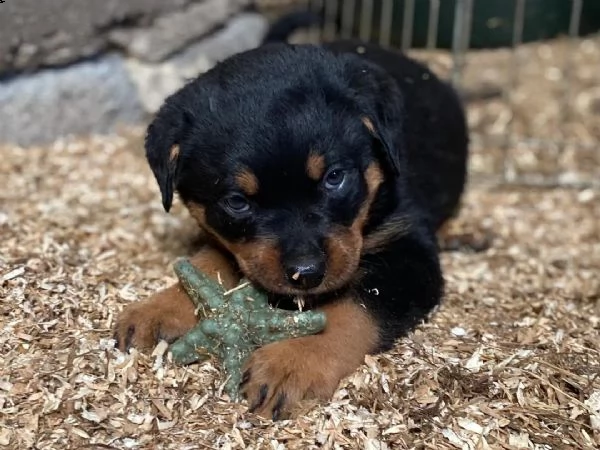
236 203
334 178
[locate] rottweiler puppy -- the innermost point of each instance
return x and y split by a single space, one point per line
321 173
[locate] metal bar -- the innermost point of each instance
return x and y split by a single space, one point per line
316 32
468 22
407 24
508 169
565 107
366 20
348 13
460 38
433 23
385 28
575 21
457 57
330 15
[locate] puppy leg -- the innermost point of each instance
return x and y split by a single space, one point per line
169 314
279 375
401 284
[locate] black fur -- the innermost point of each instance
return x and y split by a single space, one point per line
265 109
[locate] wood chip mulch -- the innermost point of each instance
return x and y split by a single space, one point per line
511 360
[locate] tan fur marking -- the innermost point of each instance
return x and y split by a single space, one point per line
312 367
345 245
258 259
374 177
197 212
247 182
174 153
343 253
315 166
369 124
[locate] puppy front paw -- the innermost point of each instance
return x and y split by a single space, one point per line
166 316
280 375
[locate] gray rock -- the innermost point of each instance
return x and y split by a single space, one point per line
243 32
98 96
36 33
155 82
90 97
171 32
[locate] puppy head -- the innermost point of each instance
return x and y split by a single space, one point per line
282 159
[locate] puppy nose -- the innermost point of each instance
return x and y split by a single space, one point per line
305 274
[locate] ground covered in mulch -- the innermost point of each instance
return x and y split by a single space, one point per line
511 360
537 105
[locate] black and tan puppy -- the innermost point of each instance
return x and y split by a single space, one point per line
321 173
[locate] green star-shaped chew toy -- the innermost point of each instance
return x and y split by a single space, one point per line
234 323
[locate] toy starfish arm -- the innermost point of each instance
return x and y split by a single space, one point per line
233 324
249 296
233 362
279 325
193 346
202 290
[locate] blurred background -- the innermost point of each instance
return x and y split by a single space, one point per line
529 69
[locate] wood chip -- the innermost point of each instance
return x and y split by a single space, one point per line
511 358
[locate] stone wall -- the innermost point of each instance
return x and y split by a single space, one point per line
79 67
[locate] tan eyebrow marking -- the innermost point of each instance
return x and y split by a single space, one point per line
315 165
247 182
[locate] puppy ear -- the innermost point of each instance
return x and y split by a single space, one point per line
381 107
390 154
163 151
